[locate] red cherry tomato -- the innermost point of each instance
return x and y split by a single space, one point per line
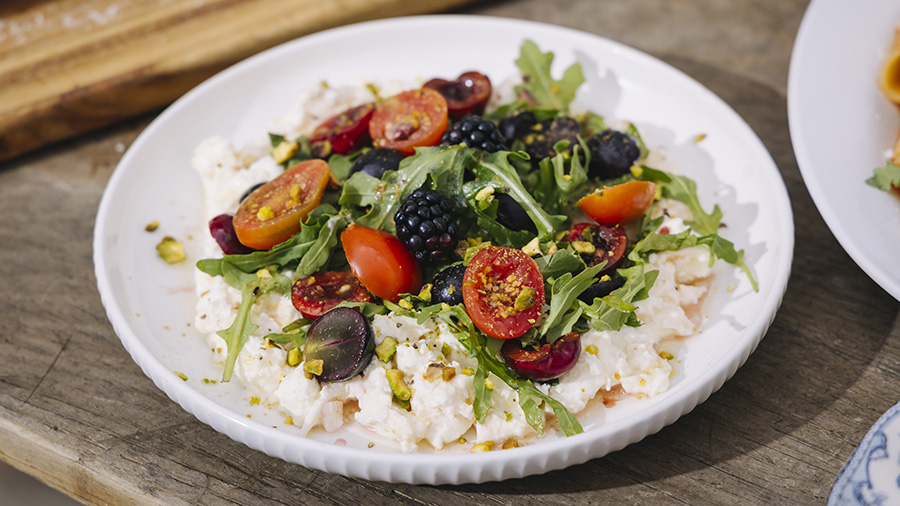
503 292
547 362
620 204
381 262
344 132
409 120
274 211
609 242
468 94
314 295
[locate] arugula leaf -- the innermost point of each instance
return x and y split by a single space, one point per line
559 263
563 296
252 286
560 179
547 92
885 178
373 202
477 345
317 231
683 189
494 169
615 310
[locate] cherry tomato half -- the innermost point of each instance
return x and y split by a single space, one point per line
620 204
503 292
409 120
344 132
275 211
314 295
381 262
469 93
608 241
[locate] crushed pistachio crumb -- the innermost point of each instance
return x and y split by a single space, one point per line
666 355
509 416
314 367
488 384
181 375
265 213
398 386
371 444
636 170
153 225
591 349
289 420
467 371
699 138
483 447
294 357
461 440
254 400
448 373
405 304
386 349
284 151
170 250
583 247
533 248
510 443
525 299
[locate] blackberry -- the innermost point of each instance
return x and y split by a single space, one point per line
424 224
516 125
612 154
475 132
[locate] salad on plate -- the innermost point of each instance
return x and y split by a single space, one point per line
456 265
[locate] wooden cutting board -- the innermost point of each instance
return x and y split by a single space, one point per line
70 66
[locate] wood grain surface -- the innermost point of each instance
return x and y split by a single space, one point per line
76 412
70 66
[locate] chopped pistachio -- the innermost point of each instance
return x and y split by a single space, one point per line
405 304
657 192
398 385
371 444
446 350
403 404
666 355
294 356
483 447
434 371
699 138
284 151
525 299
484 193
488 384
153 225
467 371
264 274
254 400
533 248
636 170
386 349
265 213
289 420
509 416
591 349
425 292
448 373
510 443
314 367
181 375
170 250
583 247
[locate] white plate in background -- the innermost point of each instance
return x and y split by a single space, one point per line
842 127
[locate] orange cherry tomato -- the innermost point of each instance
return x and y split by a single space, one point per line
503 291
620 204
381 262
275 211
409 120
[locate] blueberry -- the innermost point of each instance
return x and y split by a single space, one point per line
377 161
447 285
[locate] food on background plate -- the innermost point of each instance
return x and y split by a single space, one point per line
450 265
887 178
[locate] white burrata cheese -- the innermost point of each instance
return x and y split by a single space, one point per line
435 366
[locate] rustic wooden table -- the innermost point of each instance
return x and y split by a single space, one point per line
76 412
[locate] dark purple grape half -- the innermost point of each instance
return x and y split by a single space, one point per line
221 228
342 339
547 362
512 215
377 161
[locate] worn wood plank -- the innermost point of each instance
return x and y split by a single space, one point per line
69 66
77 413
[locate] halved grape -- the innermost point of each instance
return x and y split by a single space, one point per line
548 362
512 215
221 228
468 94
602 288
377 161
342 339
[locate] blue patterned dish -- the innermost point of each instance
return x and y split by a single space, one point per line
871 475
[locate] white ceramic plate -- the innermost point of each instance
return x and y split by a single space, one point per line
842 127
151 304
